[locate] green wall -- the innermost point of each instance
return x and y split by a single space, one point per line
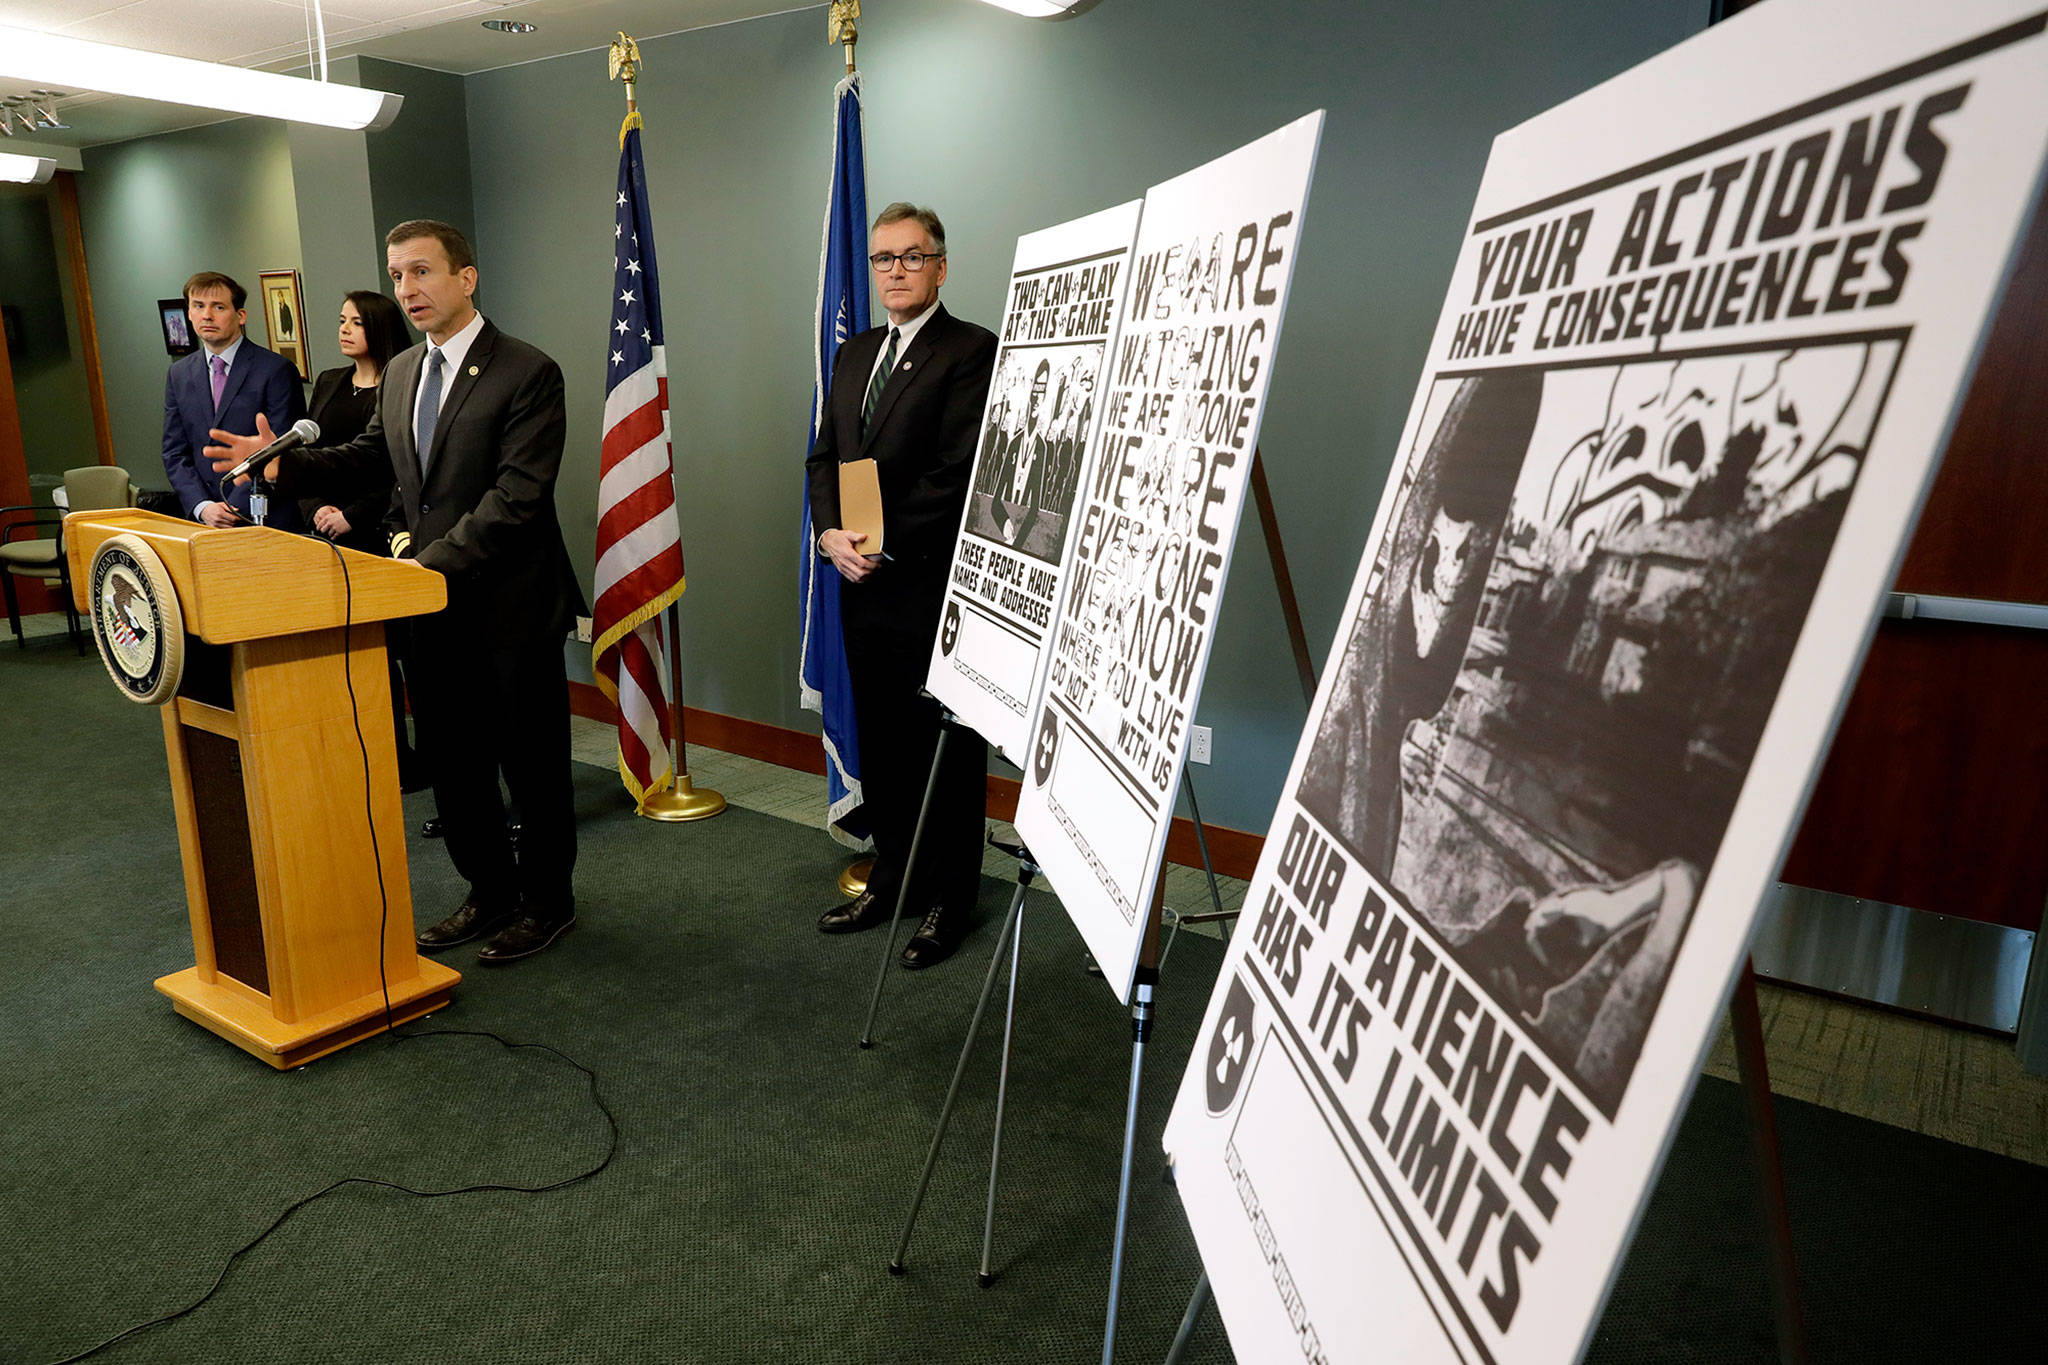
419 166
154 211
353 187
1006 125
339 241
49 374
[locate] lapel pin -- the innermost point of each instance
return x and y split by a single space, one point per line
472 371
906 364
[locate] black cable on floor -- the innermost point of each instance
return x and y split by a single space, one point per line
390 1028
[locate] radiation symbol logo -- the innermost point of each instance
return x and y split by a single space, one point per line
949 633
1043 752
1230 1047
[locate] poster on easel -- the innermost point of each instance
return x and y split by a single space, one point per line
1182 398
1003 587
1700 354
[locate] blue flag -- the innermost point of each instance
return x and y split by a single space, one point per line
823 683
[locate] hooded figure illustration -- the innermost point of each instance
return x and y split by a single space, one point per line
1410 641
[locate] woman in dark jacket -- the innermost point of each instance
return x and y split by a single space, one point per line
372 330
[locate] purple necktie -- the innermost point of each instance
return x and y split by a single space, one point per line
220 378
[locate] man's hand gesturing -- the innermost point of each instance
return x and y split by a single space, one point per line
231 449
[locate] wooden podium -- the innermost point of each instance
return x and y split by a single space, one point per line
280 877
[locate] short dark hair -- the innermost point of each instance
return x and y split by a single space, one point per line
213 279
460 257
900 212
383 324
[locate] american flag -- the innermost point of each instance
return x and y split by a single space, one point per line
639 548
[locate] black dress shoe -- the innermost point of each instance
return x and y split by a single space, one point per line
526 935
934 940
468 922
864 911
431 828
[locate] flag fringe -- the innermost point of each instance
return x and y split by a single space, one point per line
626 625
662 783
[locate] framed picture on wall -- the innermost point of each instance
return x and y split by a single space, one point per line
284 315
178 338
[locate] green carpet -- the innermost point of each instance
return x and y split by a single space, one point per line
765 1163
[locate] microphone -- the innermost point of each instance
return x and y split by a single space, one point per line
305 431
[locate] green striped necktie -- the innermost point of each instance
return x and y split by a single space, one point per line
878 383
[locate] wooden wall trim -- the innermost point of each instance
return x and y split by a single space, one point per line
1235 851
13 455
88 328
35 597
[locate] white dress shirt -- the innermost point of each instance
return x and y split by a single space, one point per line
226 354
905 333
453 353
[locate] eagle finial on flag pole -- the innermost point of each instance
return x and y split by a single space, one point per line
842 20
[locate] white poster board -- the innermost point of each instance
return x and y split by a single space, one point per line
1003 591
1705 338
1183 397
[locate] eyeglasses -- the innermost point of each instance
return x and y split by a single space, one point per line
913 261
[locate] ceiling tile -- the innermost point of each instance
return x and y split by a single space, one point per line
49 14
206 32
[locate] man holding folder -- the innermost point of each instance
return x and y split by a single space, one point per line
907 397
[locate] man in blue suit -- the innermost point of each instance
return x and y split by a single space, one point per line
224 384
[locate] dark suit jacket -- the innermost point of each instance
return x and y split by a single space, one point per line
484 515
344 415
259 381
922 443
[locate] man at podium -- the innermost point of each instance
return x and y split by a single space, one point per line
472 423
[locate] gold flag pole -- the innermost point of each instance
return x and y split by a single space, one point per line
842 28
682 800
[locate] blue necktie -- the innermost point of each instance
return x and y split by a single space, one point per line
430 409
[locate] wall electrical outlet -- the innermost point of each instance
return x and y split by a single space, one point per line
1198 744
583 629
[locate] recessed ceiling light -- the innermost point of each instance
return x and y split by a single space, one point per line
510 26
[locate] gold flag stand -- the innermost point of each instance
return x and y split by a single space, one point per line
683 800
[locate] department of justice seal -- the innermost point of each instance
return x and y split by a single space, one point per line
135 619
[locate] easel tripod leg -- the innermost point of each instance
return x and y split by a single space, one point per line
931 1159
1754 1068
1187 782
1197 1301
1141 1033
995 1151
924 810
1202 842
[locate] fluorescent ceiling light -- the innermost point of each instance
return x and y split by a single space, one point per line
26 170
74 64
